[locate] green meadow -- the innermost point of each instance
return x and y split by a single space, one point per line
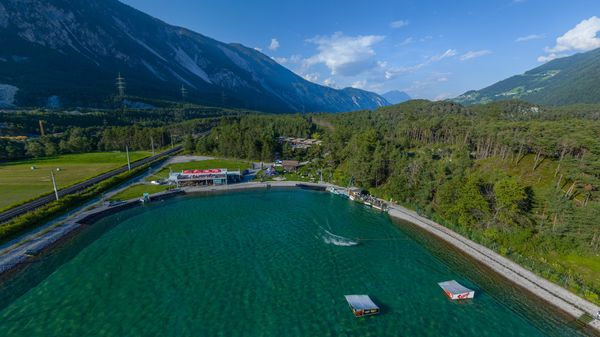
23 180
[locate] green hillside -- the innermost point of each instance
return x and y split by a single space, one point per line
569 80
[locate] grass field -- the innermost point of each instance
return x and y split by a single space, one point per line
136 191
230 164
19 183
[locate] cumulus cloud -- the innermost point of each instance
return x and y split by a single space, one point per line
344 55
530 37
583 37
274 44
398 24
474 54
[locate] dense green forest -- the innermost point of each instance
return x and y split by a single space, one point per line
253 137
76 132
518 178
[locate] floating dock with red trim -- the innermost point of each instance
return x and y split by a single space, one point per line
362 305
456 291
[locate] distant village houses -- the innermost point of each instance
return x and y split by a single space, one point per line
290 165
299 143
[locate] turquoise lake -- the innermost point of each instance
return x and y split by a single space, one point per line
261 263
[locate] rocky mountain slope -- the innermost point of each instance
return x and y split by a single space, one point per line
70 52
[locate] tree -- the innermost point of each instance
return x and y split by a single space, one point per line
510 202
50 148
34 148
361 149
471 207
188 144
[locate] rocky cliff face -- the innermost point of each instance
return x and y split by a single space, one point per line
74 49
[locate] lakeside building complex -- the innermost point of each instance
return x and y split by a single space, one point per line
212 177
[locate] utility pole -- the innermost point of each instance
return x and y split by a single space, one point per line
121 86
172 145
54 184
42 131
128 162
183 93
121 91
152 144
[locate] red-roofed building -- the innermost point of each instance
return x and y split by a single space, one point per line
211 177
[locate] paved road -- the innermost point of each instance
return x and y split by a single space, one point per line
22 209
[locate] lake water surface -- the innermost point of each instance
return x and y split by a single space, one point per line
261 263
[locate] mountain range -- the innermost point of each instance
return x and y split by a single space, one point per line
63 53
396 96
568 80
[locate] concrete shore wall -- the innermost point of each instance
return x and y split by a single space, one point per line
542 288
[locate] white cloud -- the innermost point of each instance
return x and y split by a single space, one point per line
274 44
407 41
361 84
287 60
330 83
391 72
530 37
550 57
583 37
312 77
446 54
258 49
398 24
474 54
345 55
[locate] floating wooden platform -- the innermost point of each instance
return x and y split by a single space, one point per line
456 291
362 305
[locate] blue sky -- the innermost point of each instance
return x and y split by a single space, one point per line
430 49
